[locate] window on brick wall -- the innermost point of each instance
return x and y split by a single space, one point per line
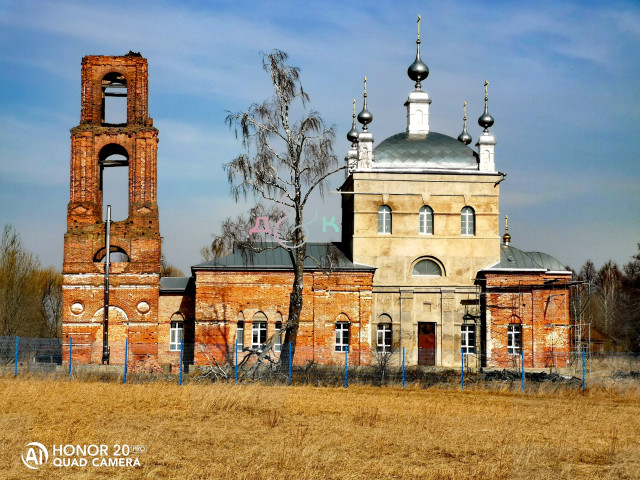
277 345
384 219
240 333
342 336
426 220
514 339
176 334
384 337
259 330
468 338
467 221
114 99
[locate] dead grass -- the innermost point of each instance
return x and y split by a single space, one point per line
215 431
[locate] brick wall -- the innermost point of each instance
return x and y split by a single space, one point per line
539 304
222 295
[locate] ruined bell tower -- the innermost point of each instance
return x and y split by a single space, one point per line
130 142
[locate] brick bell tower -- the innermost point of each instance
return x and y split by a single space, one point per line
135 241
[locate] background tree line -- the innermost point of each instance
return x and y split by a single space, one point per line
30 296
610 302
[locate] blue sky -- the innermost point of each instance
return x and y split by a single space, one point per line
564 93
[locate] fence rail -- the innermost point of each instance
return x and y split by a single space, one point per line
136 362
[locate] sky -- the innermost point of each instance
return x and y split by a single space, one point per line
564 91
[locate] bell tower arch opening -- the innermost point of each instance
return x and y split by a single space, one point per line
114 100
114 181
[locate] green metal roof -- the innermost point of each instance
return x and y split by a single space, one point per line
512 258
275 257
432 150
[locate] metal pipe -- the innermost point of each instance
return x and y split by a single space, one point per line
105 325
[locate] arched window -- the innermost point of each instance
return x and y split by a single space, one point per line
467 221
384 336
114 182
342 336
426 220
240 332
426 268
384 219
114 99
176 331
259 330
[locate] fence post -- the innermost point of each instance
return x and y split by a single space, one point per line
126 357
346 352
402 367
462 368
15 366
289 363
181 351
522 366
236 366
70 355
583 369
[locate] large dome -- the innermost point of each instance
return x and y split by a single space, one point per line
431 150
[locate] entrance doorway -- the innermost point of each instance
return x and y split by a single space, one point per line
426 343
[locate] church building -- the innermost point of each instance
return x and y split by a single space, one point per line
421 267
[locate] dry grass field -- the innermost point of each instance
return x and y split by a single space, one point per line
252 431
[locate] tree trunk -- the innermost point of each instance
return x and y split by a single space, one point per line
295 307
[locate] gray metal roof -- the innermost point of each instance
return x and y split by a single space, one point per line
512 258
175 284
547 261
328 255
432 150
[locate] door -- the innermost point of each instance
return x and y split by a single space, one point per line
426 343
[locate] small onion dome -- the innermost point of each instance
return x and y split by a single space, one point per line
353 134
464 137
365 117
486 120
506 238
418 70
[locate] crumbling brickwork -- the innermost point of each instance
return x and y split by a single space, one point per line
134 283
224 297
537 304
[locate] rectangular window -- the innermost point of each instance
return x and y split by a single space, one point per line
514 339
384 337
342 336
258 334
277 346
240 337
176 334
468 338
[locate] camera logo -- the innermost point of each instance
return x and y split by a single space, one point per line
37 455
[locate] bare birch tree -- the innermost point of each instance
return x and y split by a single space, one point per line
283 162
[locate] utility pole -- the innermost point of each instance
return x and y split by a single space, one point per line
107 262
